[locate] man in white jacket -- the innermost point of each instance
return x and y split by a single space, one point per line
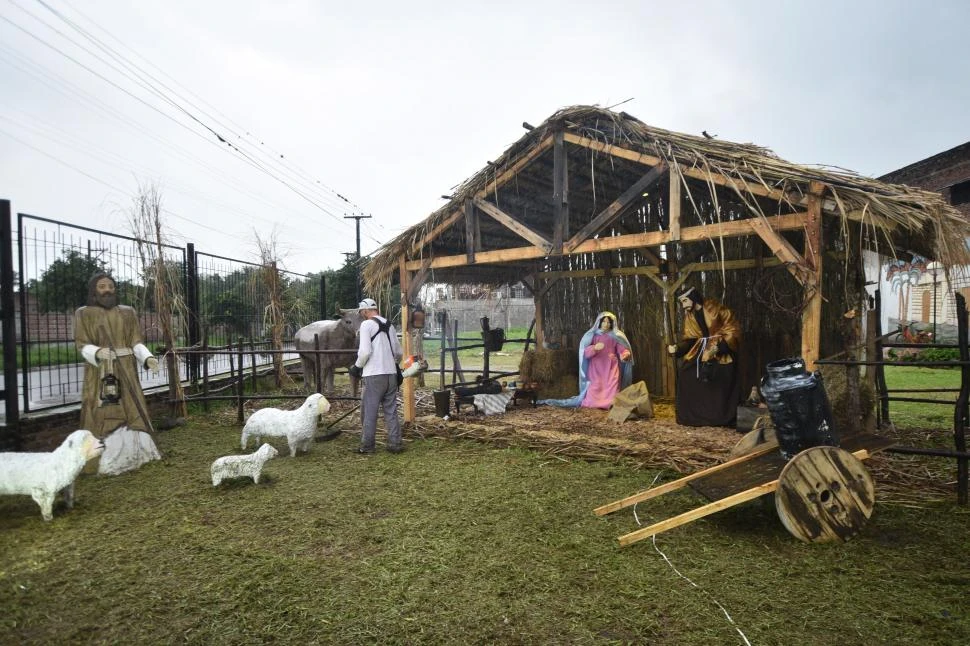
377 358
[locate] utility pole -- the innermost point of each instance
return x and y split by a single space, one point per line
358 218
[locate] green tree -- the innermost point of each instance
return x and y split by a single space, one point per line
64 284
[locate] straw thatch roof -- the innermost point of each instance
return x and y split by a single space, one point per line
607 153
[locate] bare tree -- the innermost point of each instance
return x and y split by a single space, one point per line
163 279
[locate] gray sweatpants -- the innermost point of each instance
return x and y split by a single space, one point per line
380 391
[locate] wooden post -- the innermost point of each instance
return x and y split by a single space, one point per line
537 298
673 206
812 314
560 192
408 390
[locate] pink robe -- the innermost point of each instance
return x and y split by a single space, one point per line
603 371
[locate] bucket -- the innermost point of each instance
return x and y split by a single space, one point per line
442 401
799 408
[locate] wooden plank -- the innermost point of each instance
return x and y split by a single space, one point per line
680 483
470 247
699 512
513 225
673 206
560 192
633 240
490 186
608 215
812 314
418 280
408 386
782 249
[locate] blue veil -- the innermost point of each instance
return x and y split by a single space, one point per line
626 367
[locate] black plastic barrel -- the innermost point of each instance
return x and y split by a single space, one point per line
442 401
799 408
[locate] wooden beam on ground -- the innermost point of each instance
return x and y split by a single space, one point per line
560 192
633 240
608 215
513 225
408 391
682 482
699 512
491 185
673 206
812 314
711 508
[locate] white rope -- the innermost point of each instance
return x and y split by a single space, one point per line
678 572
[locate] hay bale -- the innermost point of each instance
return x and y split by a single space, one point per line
547 366
836 388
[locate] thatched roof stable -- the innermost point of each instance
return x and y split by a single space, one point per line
608 152
595 210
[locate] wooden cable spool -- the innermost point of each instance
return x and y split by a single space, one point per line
824 494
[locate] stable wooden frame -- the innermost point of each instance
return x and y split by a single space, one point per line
806 267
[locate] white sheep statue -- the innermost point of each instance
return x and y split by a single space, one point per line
239 466
297 426
42 475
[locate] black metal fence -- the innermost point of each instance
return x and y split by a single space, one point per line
225 297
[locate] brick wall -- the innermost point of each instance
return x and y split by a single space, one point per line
937 173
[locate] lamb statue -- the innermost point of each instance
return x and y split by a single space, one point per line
297 426
42 475
238 466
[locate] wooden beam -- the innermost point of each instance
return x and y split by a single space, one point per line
491 185
512 224
698 173
470 239
699 512
549 283
680 483
560 192
783 250
633 240
408 391
812 314
418 280
608 215
673 207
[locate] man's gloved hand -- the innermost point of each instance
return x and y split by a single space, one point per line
103 354
671 349
355 371
722 347
152 364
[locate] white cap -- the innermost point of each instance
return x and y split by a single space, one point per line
367 304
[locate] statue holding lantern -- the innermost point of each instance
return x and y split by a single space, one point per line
108 336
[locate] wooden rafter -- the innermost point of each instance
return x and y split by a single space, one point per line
491 185
738 185
649 239
608 215
560 192
784 251
513 225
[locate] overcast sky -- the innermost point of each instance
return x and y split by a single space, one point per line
379 108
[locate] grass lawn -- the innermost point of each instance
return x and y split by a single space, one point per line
453 542
922 415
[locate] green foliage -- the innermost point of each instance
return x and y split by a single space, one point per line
939 354
63 286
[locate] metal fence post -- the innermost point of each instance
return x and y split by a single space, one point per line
192 305
9 437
